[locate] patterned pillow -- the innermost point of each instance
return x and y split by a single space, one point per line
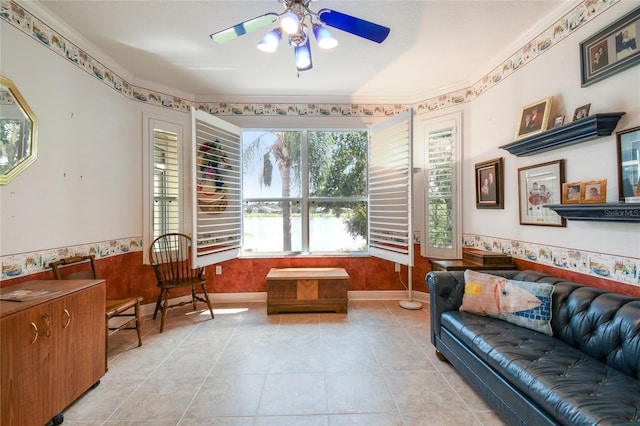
522 303
479 292
537 318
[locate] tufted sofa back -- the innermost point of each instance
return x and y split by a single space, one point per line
601 324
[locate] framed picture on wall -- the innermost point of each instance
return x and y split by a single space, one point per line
539 185
611 50
571 193
581 112
489 184
593 191
534 118
628 143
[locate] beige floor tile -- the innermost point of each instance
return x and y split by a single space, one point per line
366 420
359 392
159 399
227 395
414 392
293 394
372 366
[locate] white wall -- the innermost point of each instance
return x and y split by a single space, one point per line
492 122
93 134
86 185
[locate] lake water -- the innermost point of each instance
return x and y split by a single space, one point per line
325 234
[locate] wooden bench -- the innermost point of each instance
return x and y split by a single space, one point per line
307 290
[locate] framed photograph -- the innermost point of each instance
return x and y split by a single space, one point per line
581 112
571 193
489 184
558 120
628 142
534 118
611 50
593 191
537 186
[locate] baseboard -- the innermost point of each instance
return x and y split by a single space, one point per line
261 297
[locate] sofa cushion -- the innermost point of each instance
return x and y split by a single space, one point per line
574 387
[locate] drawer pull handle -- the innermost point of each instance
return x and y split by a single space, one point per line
66 324
35 332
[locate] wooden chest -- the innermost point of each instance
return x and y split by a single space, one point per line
307 290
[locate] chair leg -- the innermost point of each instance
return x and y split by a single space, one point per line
158 303
193 297
206 297
165 304
138 323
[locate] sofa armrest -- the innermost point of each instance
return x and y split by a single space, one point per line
445 294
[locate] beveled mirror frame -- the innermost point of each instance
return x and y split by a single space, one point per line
28 141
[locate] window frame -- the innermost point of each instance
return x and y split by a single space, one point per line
304 199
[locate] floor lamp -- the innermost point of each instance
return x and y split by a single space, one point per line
410 304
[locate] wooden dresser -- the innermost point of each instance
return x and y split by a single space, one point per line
474 260
307 290
52 348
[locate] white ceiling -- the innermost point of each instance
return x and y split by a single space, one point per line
433 46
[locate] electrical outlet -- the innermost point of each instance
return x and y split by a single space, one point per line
397 266
218 269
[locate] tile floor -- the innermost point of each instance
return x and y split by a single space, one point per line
372 366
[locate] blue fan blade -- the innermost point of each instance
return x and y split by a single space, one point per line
244 27
353 25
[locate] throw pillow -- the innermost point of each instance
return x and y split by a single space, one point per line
480 295
526 304
521 293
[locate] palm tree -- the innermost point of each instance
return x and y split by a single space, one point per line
284 149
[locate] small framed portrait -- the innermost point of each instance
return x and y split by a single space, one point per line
558 120
581 112
489 184
571 193
534 118
593 191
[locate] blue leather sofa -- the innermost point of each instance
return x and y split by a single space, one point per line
587 373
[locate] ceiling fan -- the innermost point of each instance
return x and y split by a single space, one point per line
294 26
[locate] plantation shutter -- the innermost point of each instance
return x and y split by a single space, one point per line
166 183
217 189
390 176
442 221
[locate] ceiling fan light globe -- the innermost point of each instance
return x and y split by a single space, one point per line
290 22
303 56
324 37
270 42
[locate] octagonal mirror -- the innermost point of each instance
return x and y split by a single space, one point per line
18 132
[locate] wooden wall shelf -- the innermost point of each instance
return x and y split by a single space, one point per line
607 212
575 132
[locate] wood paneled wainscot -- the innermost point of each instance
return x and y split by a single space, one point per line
53 348
307 290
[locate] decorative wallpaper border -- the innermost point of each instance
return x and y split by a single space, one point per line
617 268
19 17
30 263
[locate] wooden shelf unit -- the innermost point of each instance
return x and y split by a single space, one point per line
588 128
606 212
52 349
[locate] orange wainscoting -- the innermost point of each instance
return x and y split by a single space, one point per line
127 276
